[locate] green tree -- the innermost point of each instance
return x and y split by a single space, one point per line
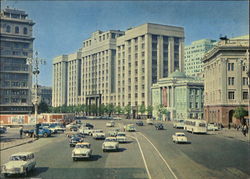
240 113
127 110
109 109
150 110
118 109
43 107
102 109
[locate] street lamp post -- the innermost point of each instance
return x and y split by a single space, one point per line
34 64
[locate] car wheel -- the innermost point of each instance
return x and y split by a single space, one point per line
104 150
26 172
74 159
5 175
45 134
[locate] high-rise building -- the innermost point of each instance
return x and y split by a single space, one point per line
194 54
226 81
117 67
44 94
16 75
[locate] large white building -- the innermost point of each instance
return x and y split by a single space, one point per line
119 67
194 54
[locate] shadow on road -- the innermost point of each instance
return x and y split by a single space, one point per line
34 173
93 158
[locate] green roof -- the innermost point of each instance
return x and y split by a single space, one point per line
177 74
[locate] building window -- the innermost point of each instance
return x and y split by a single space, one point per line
16 30
231 95
112 35
230 66
25 30
196 105
230 80
190 105
8 29
245 95
244 81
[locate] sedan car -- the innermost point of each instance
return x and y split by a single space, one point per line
20 163
110 124
179 137
98 134
139 123
74 140
81 150
121 137
149 122
159 126
113 132
110 144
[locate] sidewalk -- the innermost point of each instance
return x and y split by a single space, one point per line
4 145
232 133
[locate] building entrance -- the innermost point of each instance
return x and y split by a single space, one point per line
94 100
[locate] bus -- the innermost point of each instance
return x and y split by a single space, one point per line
195 126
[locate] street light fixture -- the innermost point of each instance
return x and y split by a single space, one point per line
34 65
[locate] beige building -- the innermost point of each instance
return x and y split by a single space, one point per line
119 67
15 75
226 81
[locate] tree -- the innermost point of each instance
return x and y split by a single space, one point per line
43 107
150 110
127 110
118 109
109 109
240 113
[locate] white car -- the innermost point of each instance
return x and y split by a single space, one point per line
212 127
98 134
20 163
110 124
121 137
179 137
130 128
88 131
82 150
82 129
113 132
178 124
149 122
110 143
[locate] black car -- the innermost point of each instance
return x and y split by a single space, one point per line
89 125
74 128
74 140
159 126
139 123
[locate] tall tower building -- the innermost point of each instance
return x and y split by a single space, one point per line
194 54
15 75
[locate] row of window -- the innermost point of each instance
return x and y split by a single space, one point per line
16 30
231 81
231 95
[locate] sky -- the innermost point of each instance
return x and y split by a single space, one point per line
61 26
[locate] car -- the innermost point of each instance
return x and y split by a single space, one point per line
113 132
74 140
130 128
91 126
121 137
60 128
110 144
92 131
179 137
178 124
3 129
110 124
139 123
149 122
212 127
88 131
99 134
82 129
73 128
42 132
159 126
82 150
20 163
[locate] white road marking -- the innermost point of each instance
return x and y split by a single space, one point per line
159 155
145 163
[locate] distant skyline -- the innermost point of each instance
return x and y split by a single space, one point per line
61 26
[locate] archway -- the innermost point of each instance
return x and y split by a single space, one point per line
230 116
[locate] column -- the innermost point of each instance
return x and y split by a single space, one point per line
181 54
159 57
140 66
224 77
170 55
238 80
126 100
133 72
148 69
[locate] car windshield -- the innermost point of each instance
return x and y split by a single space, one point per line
121 134
110 140
202 125
180 134
16 158
82 146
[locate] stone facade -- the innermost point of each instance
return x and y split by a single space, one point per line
182 96
226 81
16 76
117 67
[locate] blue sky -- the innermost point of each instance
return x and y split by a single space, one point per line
61 26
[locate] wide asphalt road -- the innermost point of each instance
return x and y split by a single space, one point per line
149 154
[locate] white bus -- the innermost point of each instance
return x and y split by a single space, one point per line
195 126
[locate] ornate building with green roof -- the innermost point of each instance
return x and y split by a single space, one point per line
180 95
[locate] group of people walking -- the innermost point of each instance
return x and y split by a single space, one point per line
244 128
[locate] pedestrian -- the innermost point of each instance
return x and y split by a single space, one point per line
244 130
238 127
229 126
21 132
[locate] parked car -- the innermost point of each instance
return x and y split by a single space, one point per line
139 123
113 132
20 163
59 128
179 137
110 124
212 127
110 143
42 132
121 137
159 126
149 122
82 150
74 140
3 129
91 126
130 128
98 134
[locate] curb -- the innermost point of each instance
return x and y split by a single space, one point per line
29 141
